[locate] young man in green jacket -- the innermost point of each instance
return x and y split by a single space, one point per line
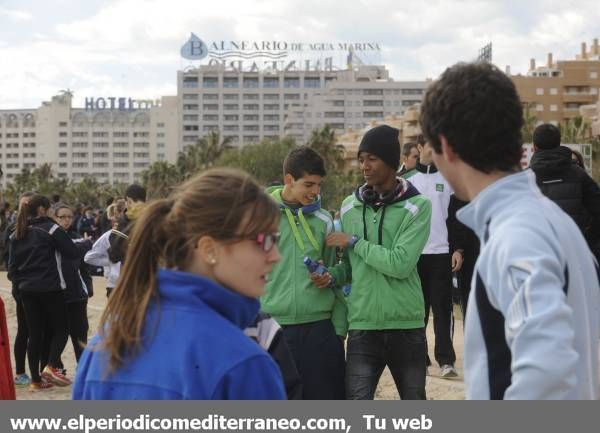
385 227
312 318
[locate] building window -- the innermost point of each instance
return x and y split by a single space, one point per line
231 96
554 91
539 91
190 96
312 82
593 75
539 107
271 82
553 107
231 82
291 82
231 117
211 97
190 82
210 82
250 83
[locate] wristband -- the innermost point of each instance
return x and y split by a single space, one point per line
353 240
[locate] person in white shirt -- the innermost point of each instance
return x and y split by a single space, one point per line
436 264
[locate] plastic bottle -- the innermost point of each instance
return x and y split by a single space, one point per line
314 267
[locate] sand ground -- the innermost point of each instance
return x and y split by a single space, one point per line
437 388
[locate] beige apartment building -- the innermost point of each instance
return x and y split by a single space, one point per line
557 89
110 145
408 124
248 107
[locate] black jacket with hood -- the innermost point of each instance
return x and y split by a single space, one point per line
75 272
571 188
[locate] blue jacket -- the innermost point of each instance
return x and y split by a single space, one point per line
533 320
193 348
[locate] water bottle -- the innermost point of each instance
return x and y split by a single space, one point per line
346 289
314 267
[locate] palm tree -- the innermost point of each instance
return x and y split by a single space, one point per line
201 155
323 141
529 123
160 178
575 130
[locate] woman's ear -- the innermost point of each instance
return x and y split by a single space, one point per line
208 250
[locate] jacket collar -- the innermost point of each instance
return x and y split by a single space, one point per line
186 289
404 190
308 209
492 200
427 169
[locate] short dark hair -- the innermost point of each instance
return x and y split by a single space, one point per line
475 106
136 192
407 147
546 136
303 161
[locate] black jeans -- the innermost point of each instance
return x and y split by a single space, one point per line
402 350
435 272
319 356
45 313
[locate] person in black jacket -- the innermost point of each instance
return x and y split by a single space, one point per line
566 184
78 281
35 250
20 344
463 239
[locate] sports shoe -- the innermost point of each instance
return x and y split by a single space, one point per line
40 386
448 370
22 380
55 376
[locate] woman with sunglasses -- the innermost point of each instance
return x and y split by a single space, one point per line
173 327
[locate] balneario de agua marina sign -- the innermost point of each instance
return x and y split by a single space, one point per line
253 56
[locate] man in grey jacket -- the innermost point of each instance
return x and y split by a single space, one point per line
533 320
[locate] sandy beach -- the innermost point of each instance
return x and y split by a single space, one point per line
437 387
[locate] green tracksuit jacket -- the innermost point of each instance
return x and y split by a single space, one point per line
382 265
290 297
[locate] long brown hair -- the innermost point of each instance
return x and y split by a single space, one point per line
225 204
27 211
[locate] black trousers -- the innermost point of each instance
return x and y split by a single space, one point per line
20 347
402 350
45 313
78 326
465 276
319 356
435 272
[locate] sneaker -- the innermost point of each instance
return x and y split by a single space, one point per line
22 380
40 386
448 370
55 376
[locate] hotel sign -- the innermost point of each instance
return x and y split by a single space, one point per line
275 55
119 103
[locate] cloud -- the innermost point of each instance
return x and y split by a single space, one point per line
14 14
132 46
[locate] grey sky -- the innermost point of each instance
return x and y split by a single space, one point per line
131 47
